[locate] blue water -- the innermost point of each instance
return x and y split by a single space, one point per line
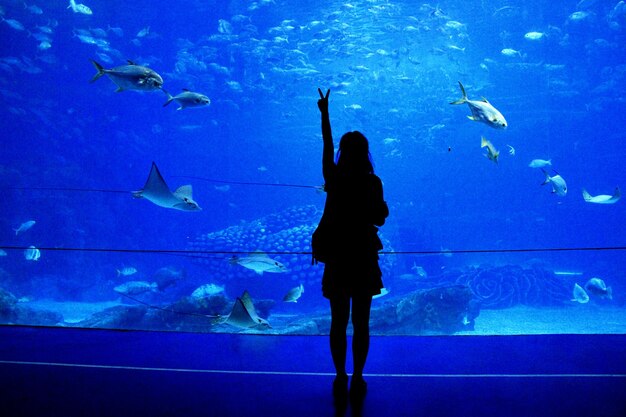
392 67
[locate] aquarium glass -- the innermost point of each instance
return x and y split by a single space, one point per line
160 164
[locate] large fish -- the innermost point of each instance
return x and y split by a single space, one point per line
559 187
602 198
259 262
157 191
482 111
130 77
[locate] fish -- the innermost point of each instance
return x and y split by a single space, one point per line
294 294
580 295
492 152
44 45
540 163
79 8
24 227
482 111
136 287
188 99
143 32
559 187
34 9
259 262
420 271
596 286
578 16
130 77
244 315
126 271
118 31
511 150
3 252
32 254
167 276
156 191
510 52
534 36
13 23
207 290
602 198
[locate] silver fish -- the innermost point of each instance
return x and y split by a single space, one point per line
540 163
294 294
188 99
492 152
79 8
259 262
130 77
157 191
482 111
559 187
534 36
13 23
24 227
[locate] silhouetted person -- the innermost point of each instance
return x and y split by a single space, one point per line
349 247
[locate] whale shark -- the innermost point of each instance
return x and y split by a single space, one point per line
156 191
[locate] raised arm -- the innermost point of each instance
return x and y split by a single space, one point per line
328 162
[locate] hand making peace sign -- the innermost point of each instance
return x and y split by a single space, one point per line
322 103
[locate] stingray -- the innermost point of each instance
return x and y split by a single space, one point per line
157 191
243 314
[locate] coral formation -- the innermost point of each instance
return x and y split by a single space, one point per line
286 235
507 286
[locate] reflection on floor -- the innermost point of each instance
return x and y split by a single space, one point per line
70 372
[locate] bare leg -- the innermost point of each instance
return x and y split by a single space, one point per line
340 314
361 324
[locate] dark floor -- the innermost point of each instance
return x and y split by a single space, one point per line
71 372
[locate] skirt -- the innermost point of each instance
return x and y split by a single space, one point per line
352 277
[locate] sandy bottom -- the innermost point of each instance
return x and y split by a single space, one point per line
577 319
72 311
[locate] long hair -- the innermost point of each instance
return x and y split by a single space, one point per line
353 155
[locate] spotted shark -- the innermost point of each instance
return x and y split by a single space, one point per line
156 191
